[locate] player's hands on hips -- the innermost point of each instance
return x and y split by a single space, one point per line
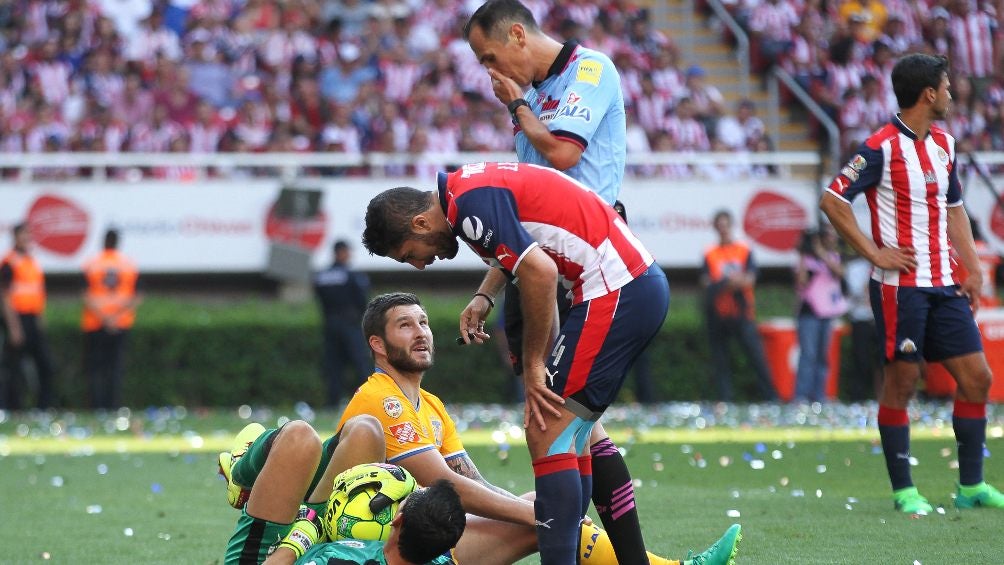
971 288
472 321
902 259
506 89
539 398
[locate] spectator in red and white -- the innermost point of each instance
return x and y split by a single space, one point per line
206 131
440 75
418 38
582 13
176 95
100 130
152 38
254 126
48 127
284 44
685 130
651 105
50 73
770 23
76 104
842 71
880 67
106 37
308 110
608 35
340 135
973 29
177 172
442 16
399 74
909 14
103 76
637 143
708 102
35 20
878 108
645 40
895 37
742 131
666 74
630 72
154 135
443 133
937 35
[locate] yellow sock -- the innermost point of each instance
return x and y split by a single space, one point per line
595 549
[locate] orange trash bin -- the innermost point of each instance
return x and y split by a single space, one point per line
780 344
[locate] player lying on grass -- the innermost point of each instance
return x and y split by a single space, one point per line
391 417
427 524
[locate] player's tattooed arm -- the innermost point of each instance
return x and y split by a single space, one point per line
463 465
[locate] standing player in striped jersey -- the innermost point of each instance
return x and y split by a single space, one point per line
538 236
567 110
908 173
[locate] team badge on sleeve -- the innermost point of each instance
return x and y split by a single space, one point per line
589 72
858 163
392 406
473 227
404 432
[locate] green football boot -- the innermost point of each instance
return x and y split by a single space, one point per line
979 496
237 495
722 552
909 501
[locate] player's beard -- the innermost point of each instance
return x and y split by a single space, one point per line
444 241
400 358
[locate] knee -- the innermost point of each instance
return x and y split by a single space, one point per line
977 383
363 427
301 438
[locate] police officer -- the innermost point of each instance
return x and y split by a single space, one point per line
342 294
110 302
22 285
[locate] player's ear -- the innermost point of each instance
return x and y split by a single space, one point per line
517 34
421 224
377 345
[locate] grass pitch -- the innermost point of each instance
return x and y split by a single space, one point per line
129 495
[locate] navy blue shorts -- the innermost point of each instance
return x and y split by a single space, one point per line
931 323
602 337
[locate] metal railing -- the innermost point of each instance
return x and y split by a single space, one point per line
777 75
742 42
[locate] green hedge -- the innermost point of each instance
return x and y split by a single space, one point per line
204 353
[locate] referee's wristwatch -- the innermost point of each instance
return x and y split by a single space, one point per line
513 106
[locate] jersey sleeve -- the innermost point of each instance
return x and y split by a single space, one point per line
488 221
861 173
954 195
593 87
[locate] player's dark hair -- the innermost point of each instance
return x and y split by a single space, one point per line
375 316
112 239
432 521
388 218
494 18
341 245
913 74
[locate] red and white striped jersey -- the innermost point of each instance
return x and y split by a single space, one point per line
974 43
504 210
909 183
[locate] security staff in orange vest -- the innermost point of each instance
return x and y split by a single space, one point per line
728 276
110 302
22 285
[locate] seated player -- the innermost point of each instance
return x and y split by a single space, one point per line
428 523
270 469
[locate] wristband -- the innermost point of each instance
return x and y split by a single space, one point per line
513 106
491 302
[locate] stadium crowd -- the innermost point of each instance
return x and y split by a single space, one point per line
346 76
842 52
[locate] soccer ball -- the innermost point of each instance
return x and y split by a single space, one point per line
364 500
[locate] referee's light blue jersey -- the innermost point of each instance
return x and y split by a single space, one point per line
581 101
